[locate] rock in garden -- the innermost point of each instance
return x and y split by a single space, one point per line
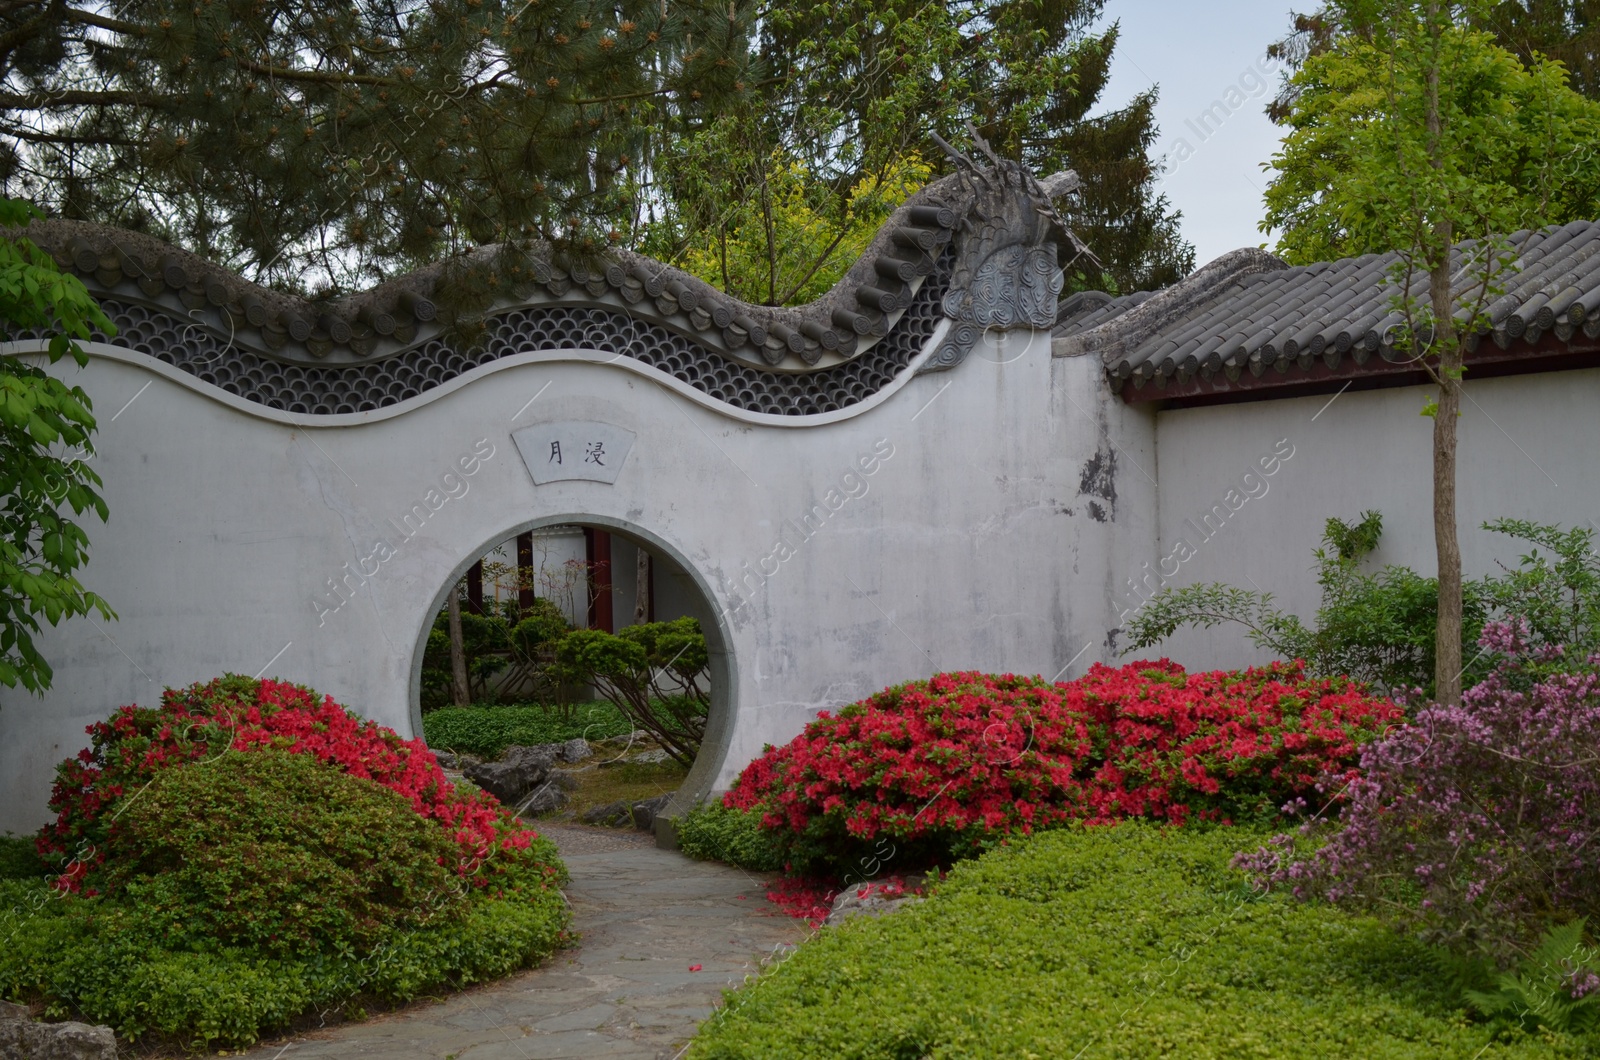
575 750
447 760
517 773
611 814
23 1039
644 812
545 798
878 898
648 758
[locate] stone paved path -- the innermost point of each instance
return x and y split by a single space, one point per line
625 993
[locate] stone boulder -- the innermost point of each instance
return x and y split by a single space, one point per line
612 814
576 750
878 898
640 814
543 799
518 772
644 812
23 1039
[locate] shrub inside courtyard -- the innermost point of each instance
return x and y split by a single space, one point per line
487 730
933 771
249 853
1126 941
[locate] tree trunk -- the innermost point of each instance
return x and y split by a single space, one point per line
1447 638
459 692
1447 643
641 587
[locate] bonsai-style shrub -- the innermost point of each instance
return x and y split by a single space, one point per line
1476 825
508 647
936 770
655 673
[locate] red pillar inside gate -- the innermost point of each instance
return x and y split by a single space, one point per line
597 549
525 571
475 588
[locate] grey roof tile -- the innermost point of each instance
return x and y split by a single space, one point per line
1248 312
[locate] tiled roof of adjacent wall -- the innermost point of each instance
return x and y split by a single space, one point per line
1247 325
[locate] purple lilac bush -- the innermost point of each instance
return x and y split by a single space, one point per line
1476 825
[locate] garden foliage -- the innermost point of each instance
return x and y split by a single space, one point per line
279 853
1476 824
1379 627
943 767
1509 147
1129 941
714 832
1555 988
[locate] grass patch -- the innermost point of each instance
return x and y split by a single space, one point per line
486 731
1122 942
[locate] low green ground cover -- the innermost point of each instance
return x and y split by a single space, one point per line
487 730
1124 941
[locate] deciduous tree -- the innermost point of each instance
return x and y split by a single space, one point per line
1413 135
46 429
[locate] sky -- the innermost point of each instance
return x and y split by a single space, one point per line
1201 55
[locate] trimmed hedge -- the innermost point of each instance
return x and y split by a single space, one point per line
1122 941
714 832
486 731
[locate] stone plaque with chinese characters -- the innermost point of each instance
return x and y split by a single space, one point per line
573 449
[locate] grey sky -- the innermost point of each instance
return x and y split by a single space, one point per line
1200 55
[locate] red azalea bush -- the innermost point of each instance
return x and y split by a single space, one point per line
233 713
940 768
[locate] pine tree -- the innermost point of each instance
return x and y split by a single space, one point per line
856 90
319 146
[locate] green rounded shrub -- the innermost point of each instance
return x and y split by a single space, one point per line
282 853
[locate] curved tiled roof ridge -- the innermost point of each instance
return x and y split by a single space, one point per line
341 389
1248 321
402 314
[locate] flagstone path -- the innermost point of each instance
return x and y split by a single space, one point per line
646 916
